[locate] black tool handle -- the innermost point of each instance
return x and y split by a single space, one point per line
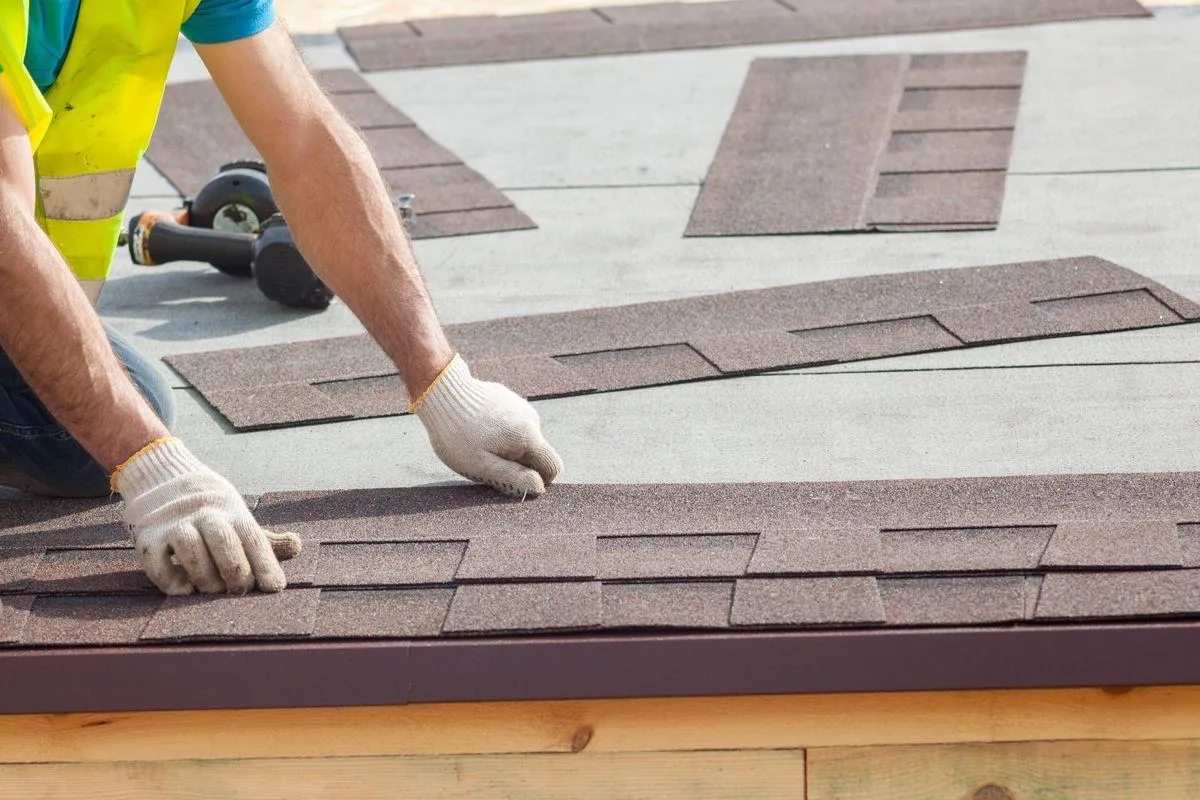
163 240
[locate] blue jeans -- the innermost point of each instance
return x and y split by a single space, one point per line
37 454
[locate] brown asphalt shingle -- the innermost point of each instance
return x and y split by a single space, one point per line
196 134
464 561
677 26
697 338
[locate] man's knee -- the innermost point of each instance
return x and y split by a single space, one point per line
146 376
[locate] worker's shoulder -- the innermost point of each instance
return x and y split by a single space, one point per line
219 21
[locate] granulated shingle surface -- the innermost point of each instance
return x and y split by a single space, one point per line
806 602
196 134
1113 595
696 338
524 607
1104 312
382 613
845 550
676 26
610 559
14 615
386 563
667 605
445 189
287 614
113 619
369 110
963 549
813 141
953 601
17 567
91 571
503 557
627 557
1135 543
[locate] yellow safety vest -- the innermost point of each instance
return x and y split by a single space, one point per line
93 125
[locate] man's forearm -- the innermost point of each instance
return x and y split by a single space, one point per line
342 217
335 201
49 330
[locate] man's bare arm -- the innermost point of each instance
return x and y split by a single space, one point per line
325 181
338 208
48 328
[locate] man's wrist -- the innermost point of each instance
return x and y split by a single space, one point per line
423 368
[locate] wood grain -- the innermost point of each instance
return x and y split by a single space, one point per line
766 775
719 723
1035 770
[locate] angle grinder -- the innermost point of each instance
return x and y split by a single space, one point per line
234 224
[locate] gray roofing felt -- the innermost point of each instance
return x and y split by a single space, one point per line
678 26
697 338
855 143
197 134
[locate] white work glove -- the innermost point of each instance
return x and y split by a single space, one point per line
174 505
487 433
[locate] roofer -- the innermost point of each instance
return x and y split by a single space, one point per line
80 410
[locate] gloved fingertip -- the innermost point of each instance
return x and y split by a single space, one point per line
527 484
177 588
544 460
272 581
284 545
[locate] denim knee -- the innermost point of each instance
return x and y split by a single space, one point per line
38 454
146 376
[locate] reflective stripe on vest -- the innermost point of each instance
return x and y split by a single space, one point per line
105 102
98 195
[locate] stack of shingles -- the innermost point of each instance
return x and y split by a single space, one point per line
444 562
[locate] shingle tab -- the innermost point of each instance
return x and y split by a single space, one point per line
1114 595
667 605
836 550
764 602
706 556
287 614
976 600
506 607
104 619
963 549
14 615
1136 308
381 613
503 557
1003 322
388 563
1107 543
103 571
17 567
610 370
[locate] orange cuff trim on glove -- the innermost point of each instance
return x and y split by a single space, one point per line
415 404
112 481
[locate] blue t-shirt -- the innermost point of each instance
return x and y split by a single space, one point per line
52 23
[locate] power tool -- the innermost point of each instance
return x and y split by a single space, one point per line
234 224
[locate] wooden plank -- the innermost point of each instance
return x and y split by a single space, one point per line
1049 770
716 723
763 775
